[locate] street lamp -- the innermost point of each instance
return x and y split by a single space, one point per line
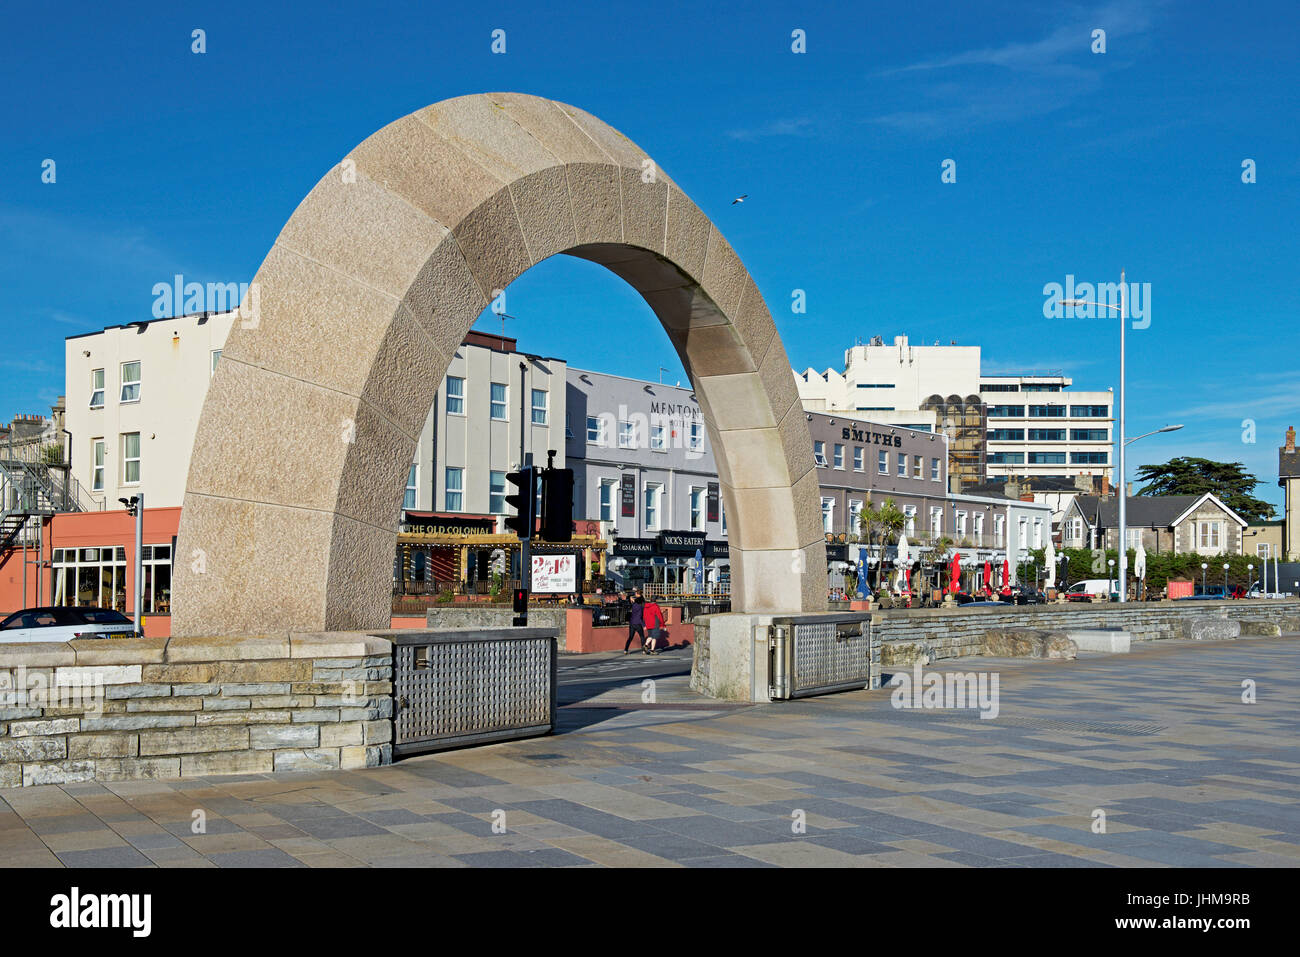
1167 428
1225 579
1111 577
1204 566
1250 577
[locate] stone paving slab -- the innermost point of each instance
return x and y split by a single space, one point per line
1186 773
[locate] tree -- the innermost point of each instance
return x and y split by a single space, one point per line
1227 481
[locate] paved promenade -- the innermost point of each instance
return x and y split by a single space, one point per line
1159 740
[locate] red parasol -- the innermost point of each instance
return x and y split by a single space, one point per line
988 574
1006 572
955 585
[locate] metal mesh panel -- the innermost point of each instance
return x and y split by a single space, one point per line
449 692
825 657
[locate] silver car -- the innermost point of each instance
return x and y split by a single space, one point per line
65 624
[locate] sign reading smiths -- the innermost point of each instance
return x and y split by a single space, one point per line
871 438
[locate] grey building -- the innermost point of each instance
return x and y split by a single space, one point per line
644 468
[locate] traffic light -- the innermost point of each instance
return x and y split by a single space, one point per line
521 601
557 505
524 500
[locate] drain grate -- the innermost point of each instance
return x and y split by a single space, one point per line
1123 729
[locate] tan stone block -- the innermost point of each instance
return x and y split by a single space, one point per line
191 740
549 125
90 675
251 716
687 234
345 735
796 442
364 231
645 208
359 590
614 144
492 241
338 644
227 762
378 732
597 202
649 273
762 518
488 134
118 651
177 674
58 772
805 497
273 669
37 654
724 274
103 746
736 401
405 373
445 297
178 703
307 759
33 749
545 214
814 581
754 323
751 458
712 350
46 726
778 379
769 581
137 769
224 648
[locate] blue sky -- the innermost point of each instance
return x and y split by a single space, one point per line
1068 162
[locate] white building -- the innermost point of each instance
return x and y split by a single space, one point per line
134 394
1038 427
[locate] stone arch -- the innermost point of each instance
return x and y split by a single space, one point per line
311 421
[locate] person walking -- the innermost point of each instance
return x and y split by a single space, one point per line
635 623
654 623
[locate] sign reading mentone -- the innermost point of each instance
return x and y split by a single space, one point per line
871 438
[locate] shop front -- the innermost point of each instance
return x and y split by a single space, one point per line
672 564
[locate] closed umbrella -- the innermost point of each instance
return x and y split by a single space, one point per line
699 571
1006 571
901 561
955 584
988 574
862 573
1140 562
1050 560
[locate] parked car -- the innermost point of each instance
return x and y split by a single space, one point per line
64 624
1211 593
1093 589
1024 595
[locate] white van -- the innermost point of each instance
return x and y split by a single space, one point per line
1094 589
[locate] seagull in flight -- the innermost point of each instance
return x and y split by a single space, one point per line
739 199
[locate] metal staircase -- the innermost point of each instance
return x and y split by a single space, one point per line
35 490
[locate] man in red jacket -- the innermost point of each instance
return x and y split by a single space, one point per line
656 637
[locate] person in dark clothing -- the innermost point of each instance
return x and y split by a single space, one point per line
635 623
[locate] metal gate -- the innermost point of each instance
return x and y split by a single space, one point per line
816 654
453 688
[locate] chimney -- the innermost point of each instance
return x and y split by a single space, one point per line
1129 490
1011 489
1083 482
1290 441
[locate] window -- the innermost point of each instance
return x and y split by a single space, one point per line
1210 534
97 389
652 491
595 430
909 520
455 395
1006 435
936 520
857 458
1090 411
131 381
979 528
1042 387
1006 412
902 465
498 401
1047 435
1006 458
657 439
1038 533
1089 435
1261 550
1089 458
828 515
839 456
453 498
1134 537
212 369
855 516
998 387
918 464
1047 411
97 455
961 525
540 405
497 493
696 436
697 509
607 500
934 470
997 531
875 385
1046 458
408 500
1022 540
1076 529
882 462
131 459
819 453
627 435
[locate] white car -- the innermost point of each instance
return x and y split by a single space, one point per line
65 624
1093 589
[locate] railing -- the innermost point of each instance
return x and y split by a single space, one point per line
686 590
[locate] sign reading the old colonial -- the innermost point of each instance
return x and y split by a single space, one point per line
871 438
555 574
629 496
431 523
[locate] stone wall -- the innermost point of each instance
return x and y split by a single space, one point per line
957 632
472 617
112 709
